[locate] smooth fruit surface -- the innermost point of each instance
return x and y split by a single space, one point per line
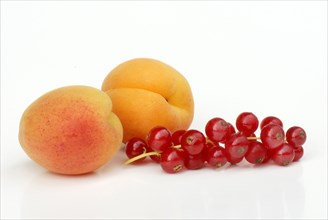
193 142
172 160
283 155
135 147
271 120
194 162
237 145
272 136
247 123
159 139
216 129
216 157
176 136
296 136
299 152
256 153
148 93
71 130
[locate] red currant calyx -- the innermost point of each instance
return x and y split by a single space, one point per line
193 142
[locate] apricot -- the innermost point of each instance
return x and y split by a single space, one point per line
148 93
71 130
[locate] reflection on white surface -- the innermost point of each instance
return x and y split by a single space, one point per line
146 192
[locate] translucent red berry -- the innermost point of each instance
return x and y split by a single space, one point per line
247 123
155 158
272 136
299 152
176 136
283 155
193 142
216 129
194 162
271 120
296 136
159 139
256 153
237 145
216 157
134 147
233 160
231 130
172 160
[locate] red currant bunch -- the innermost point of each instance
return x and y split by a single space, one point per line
220 144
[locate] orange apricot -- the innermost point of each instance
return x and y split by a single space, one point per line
148 93
71 130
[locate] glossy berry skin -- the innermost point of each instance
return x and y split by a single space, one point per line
155 158
296 136
271 120
256 153
231 131
233 160
272 136
195 162
134 147
216 157
159 139
216 129
176 137
283 155
247 123
193 142
172 160
299 152
237 145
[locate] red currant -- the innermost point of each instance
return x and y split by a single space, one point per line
155 158
176 136
296 136
159 139
193 142
270 120
134 147
272 136
247 123
237 145
172 160
299 151
216 129
231 131
194 162
233 160
283 155
216 157
256 153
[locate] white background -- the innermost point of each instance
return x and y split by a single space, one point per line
266 57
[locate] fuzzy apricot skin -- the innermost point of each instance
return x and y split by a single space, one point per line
148 93
71 130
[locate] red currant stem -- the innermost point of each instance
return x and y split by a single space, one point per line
177 146
253 138
141 156
209 140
